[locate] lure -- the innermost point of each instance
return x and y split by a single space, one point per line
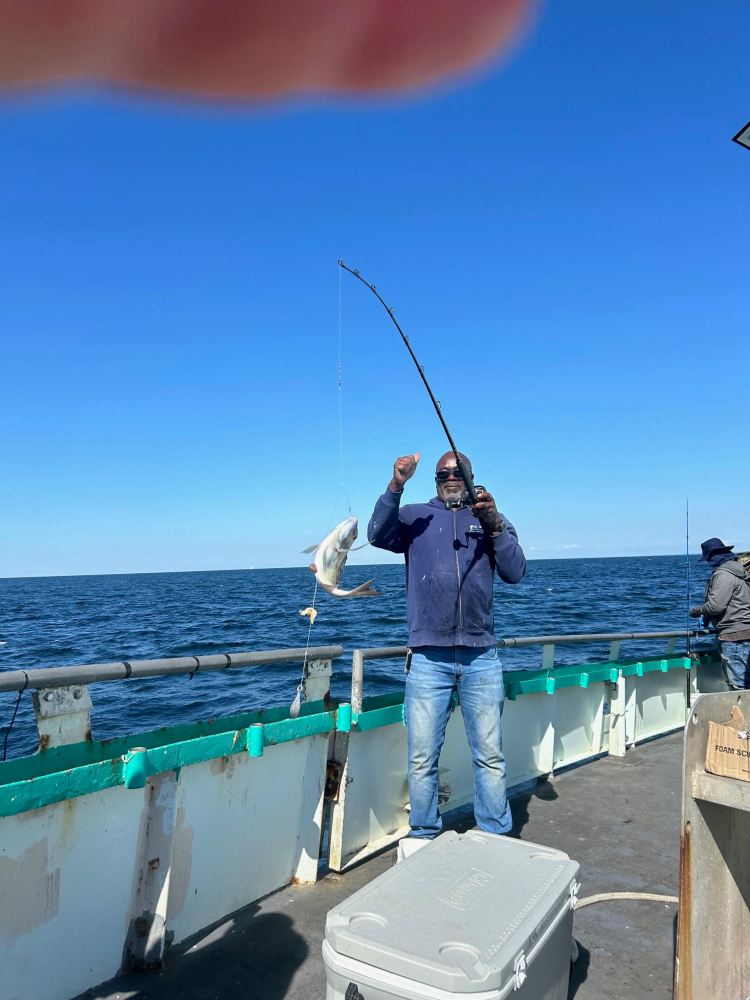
296 705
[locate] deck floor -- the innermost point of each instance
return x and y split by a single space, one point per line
619 818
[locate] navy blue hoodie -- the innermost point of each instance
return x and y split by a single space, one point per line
450 562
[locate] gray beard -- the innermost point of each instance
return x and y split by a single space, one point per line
455 501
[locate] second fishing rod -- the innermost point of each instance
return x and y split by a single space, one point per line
460 464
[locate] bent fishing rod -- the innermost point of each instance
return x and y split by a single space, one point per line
462 470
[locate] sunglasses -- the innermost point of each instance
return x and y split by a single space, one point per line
443 475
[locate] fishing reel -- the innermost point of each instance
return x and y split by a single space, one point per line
455 503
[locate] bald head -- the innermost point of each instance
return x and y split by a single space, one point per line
448 461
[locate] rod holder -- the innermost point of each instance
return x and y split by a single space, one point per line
344 718
255 739
136 770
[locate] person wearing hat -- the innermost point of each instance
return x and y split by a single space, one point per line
727 607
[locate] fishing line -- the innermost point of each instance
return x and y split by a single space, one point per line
339 408
687 568
15 712
294 709
339 380
689 675
463 471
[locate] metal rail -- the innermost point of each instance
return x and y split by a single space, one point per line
547 641
541 640
53 677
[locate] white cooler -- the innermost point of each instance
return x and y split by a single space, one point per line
471 915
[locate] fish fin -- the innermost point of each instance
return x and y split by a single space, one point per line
313 568
310 548
363 590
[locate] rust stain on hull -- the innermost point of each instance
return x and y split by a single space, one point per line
683 986
30 891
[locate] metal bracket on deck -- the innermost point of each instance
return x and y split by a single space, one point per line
63 715
147 934
618 708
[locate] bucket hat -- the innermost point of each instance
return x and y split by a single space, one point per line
713 547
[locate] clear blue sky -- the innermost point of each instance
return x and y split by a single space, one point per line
563 237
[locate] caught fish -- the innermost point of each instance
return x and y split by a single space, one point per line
310 613
330 558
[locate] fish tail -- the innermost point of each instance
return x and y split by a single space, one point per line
363 590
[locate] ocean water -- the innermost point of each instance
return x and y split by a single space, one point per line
58 621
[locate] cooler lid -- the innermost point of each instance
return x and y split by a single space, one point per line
457 914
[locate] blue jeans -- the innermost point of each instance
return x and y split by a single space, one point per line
436 672
735 662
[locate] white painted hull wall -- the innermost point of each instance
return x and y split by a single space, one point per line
192 848
541 734
70 872
67 887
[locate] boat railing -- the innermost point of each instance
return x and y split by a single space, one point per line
89 673
547 643
207 817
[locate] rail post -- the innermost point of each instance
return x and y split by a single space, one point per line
358 680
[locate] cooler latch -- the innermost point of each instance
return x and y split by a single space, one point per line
352 992
519 971
575 888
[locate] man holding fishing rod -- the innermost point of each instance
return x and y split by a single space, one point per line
452 547
727 608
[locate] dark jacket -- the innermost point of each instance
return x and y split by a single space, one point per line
727 601
450 562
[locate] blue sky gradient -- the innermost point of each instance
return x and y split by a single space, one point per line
564 238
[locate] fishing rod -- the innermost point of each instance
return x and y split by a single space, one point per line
687 567
462 470
689 674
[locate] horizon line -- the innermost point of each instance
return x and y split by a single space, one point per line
262 569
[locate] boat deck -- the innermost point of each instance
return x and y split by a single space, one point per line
618 817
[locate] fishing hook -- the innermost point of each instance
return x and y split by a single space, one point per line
462 470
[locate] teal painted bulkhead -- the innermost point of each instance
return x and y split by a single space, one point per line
68 772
